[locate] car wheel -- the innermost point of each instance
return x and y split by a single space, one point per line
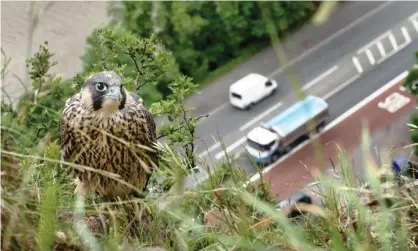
273 91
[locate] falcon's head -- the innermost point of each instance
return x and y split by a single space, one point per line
103 92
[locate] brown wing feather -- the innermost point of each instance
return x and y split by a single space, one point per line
67 145
150 123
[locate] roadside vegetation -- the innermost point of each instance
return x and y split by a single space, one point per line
39 210
411 83
207 39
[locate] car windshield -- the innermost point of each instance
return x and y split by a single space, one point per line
259 147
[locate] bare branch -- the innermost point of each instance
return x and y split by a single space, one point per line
6 94
20 81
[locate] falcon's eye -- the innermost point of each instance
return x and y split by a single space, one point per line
101 87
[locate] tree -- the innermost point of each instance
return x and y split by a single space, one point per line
202 36
411 83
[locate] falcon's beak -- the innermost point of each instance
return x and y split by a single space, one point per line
114 93
111 100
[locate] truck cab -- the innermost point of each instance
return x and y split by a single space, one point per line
262 144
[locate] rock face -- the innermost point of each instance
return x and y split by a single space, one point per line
65 25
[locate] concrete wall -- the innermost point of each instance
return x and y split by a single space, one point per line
65 25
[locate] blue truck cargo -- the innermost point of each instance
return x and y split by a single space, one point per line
267 142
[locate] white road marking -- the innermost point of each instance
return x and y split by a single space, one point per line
231 147
271 109
259 117
343 85
415 23
413 16
210 149
333 36
336 121
329 71
393 41
394 102
371 43
406 34
317 46
381 49
340 87
212 112
370 57
325 97
357 64
393 52
320 77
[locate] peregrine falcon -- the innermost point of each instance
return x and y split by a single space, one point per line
106 127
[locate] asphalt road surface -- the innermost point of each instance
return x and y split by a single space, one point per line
232 124
344 71
380 108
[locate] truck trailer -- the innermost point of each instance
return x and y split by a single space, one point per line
267 142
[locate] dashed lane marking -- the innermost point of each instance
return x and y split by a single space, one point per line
357 64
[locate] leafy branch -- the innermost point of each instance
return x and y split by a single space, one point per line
180 127
39 65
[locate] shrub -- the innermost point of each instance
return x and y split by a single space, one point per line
40 212
203 36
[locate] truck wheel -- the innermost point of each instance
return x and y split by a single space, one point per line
320 127
274 157
266 162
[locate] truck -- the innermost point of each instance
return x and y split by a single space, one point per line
268 141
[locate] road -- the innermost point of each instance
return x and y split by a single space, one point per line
380 108
343 76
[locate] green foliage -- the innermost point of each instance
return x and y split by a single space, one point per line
414 132
181 129
143 62
40 64
148 61
411 83
203 36
35 190
48 222
40 108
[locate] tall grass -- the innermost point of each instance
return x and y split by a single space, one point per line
39 210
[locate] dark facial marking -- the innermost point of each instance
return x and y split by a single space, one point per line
96 96
100 80
123 101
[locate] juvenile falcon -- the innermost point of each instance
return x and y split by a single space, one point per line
108 128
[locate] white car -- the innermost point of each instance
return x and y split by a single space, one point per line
251 89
